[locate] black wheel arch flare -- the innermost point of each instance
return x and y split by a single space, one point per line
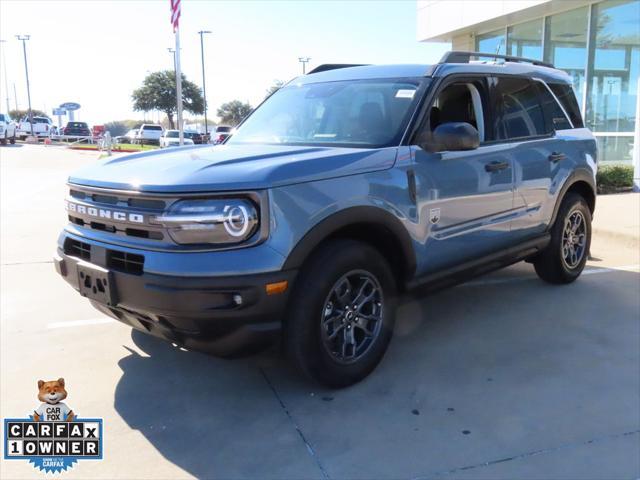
355 219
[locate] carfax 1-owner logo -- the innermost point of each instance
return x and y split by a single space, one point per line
53 438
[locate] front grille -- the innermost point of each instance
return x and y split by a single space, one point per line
125 262
76 248
106 201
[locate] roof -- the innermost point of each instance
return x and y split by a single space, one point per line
367 72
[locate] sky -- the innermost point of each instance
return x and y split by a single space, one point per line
96 52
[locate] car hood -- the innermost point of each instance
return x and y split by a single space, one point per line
230 167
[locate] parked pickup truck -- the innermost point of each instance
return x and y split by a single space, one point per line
347 186
41 127
149 134
7 129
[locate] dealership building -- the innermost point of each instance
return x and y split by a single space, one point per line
596 42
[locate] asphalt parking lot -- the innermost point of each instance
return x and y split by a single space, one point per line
504 377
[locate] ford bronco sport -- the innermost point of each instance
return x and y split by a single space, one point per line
344 188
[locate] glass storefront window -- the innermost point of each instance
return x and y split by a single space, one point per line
525 40
492 42
615 149
566 44
615 56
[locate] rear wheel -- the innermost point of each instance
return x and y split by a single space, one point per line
3 141
341 317
564 258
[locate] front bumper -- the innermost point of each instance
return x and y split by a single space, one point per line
200 313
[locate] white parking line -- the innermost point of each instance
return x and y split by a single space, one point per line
492 281
588 271
81 323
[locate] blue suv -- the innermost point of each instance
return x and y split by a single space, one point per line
346 187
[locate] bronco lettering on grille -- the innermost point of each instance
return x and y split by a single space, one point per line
104 213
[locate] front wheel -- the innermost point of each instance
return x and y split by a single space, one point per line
563 260
341 316
13 139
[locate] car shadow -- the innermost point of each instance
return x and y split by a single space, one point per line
240 418
15 145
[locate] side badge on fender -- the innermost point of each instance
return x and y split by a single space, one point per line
434 215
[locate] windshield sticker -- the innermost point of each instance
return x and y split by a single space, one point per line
405 93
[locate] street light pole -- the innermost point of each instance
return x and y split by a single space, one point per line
304 61
24 39
204 84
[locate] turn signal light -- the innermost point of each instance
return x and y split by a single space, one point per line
277 287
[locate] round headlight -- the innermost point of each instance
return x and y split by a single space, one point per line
217 221
237 220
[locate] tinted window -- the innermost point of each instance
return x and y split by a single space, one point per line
568 100
223 129
152 127
41 120
521 114
3 118
556 119
457 102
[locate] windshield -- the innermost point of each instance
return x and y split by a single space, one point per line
2 117
353 113
172 134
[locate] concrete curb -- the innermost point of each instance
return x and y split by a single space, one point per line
623 239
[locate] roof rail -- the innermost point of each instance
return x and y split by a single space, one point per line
465 57
334 66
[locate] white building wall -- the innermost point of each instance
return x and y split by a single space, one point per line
437 19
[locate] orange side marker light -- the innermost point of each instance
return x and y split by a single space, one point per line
277 287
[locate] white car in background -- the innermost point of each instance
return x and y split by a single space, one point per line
148 134
171 138
7 129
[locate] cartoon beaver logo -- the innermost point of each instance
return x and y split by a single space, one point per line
53 409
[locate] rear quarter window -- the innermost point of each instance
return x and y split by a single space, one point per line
555 117
567 99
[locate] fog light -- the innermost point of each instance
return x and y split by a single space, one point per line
237 299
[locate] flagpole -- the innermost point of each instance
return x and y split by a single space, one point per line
179 87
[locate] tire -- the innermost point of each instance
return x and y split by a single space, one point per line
3 141
563 260
315 298
13 139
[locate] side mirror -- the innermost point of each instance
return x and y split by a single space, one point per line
454 136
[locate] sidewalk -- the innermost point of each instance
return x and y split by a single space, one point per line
617 217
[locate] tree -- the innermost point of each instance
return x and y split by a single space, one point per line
20 114
158 92
233 112
277 85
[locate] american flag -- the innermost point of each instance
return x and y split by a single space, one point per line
175 13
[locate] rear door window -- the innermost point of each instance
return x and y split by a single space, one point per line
520 114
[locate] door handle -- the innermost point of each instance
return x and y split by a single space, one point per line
496 166
557 156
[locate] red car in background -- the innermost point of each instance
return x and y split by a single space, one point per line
98 130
